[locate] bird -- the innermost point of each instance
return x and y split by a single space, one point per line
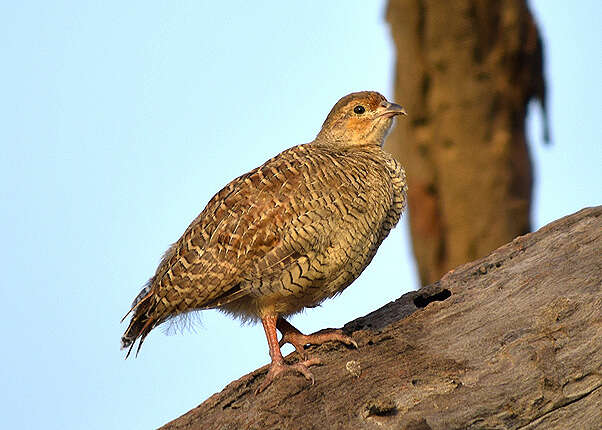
285 236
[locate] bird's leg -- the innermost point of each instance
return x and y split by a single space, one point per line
278 366
293 336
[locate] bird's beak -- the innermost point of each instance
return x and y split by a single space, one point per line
392 109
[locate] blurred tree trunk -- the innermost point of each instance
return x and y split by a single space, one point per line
466 71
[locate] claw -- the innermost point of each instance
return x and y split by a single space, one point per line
293 336
278 368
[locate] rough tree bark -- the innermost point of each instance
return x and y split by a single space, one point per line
466 71
511 341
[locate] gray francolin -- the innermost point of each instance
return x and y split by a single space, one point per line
296 230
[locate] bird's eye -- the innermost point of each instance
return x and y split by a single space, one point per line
359 109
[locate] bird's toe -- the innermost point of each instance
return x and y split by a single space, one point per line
280 368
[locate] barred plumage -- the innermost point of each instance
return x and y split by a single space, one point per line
287 235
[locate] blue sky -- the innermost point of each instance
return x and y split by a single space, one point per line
121 119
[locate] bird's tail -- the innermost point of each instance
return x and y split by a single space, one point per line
142 322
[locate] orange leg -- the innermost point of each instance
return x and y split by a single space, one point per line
293 336
278 366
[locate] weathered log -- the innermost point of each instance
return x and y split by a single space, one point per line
511 341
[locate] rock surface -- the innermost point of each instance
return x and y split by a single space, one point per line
511 341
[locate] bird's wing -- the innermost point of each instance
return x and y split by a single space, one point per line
266 218
241 224
303 199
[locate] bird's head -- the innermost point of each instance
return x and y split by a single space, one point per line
359 119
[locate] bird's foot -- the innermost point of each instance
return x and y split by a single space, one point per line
299 340
278 368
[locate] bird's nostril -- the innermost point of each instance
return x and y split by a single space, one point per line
384 103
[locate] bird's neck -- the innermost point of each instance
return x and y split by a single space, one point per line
345 143
347 147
